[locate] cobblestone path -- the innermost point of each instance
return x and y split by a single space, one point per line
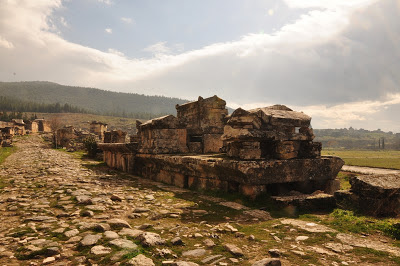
60 210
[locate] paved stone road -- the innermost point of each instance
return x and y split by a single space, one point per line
57 211
370 170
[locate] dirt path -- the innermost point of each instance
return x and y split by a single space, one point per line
60 210
369 170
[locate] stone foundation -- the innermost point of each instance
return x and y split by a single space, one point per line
119 156
250 178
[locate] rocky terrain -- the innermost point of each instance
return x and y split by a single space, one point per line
58 209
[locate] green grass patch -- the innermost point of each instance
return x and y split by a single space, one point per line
5 152
344 178
3 183
22 232
380 159
371 255
346 220
77 154
59 236
133 253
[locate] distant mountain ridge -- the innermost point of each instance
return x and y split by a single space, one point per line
91 99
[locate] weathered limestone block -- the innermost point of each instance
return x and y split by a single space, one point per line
162 135
195 147
119 156
43 125
114 136
280 131
32 127
377 195
212 143
378 186
287 149
203 113
98 128
309 149
250 154
210 172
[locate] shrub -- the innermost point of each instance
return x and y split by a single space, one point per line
91 146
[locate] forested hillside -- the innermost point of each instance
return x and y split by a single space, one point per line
8 104
90 99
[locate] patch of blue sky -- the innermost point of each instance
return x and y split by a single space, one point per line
130 26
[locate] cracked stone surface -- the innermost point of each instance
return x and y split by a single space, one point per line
58 209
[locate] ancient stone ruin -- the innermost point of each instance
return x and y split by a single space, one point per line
114 136
274 132
19 127
70 138
98 128
250 152
32 126
376 195
43 125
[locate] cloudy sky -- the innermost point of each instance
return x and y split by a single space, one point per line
336 60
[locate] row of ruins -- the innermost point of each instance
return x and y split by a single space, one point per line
263 151
250 152
19 127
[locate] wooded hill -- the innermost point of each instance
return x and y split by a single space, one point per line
90 99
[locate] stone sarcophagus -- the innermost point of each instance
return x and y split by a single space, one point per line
164 135
275 132
204 122
114 136
249 152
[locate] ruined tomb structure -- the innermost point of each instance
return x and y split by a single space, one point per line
98 128
164 135
6 136
115 136
32 126
43 125
250 152
204 122
19 127
376 195
274 132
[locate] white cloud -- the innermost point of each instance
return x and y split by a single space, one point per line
329 63
64 22
328 3
158 48
108 30
347 114
127 20
5 44
116 52
107 2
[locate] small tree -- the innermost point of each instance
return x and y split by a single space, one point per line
91 146
55 124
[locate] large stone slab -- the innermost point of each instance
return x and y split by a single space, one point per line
376 195
378 186
214 169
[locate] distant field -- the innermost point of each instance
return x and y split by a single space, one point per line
381 159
